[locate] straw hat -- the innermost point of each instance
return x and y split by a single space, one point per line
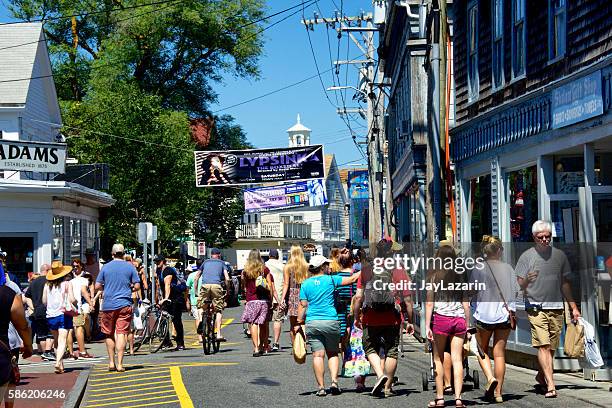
58 270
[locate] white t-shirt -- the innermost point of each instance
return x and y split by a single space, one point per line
276 268
488 304
77 284
55 299
15 341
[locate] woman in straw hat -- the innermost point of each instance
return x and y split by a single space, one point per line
56 294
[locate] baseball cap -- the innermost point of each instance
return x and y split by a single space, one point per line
215 251
273 253
118 249
316 261
159 258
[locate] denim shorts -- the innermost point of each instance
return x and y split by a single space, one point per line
62 321
323 335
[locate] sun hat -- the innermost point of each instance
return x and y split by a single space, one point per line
58 270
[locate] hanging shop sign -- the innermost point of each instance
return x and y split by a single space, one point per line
578 100
358 184
237 167
309 193
32 156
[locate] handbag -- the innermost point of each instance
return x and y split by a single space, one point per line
68 308
14 373
339 303
299 348
511 314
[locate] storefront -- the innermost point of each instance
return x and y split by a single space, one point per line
45 221
525 160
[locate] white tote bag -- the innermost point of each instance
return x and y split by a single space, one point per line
592 356
137 317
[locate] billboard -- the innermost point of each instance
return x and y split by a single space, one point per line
238 167
309 193
358 184
32 156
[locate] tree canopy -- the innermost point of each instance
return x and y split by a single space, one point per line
129 75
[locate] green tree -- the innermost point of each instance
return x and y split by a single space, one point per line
129 74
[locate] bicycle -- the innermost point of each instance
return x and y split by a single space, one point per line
207 328
156 322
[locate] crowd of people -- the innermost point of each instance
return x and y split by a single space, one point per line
337 306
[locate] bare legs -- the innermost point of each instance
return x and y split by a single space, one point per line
318 366
456 356
500 337
255 337
60 336
118 346
218 321
79 333
545 359
382 367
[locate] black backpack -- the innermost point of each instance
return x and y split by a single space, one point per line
378 297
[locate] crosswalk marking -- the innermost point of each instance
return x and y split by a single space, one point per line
133 400
131 387
125 380
123 397
120 376
159 387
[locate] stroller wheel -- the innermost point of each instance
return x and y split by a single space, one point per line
424 381
475 379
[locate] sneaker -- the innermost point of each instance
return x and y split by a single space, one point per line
179 348
48 356
380 383
275 347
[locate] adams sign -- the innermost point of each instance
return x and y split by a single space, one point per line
32 156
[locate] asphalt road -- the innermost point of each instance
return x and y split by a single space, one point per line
233 378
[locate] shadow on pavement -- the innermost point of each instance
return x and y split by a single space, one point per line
264 381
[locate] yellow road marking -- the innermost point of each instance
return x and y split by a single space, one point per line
132 389
128 380
153 404
124 397
136 373
115 374
179 388
227 321
133 400
166 365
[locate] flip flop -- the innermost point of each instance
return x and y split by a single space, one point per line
436 403
111 369
121 370
551 394
459 403
491 385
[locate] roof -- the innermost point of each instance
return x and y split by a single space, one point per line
298 127
327 160
63 189
18 46
344 175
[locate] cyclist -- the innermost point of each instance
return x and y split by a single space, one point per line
214 273
172 299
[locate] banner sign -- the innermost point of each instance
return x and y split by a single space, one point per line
39 157
236 167
359 222
579 100
358 184
309 193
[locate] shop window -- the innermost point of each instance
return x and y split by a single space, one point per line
497 42
75 238
523 198
58 238
91 238
19 256
569 174
480 207
557 13
472 30
518 38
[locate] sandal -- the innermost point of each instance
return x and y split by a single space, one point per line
111 369
448 390
59 370
551 394
498 399
491 385
459 403
436 403
321 392
334 389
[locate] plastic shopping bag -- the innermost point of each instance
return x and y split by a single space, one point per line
592 356
137 317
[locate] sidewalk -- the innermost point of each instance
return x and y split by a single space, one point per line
570 384
40 387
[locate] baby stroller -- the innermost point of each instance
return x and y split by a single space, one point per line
430 376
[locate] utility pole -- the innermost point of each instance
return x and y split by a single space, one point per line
373 114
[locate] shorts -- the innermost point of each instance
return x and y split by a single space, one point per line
546 326
323 335
386 338
116 321
449 325
215 293
79 321
63 321
278 314
255 312
493 326
40 328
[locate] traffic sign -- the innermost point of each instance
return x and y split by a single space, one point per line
145 232
201 248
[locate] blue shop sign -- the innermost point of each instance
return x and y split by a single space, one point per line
576 101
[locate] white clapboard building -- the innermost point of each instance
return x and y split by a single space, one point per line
41 219
318 228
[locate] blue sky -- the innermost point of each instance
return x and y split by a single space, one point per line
288 59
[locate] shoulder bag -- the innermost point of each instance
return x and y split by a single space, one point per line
511 314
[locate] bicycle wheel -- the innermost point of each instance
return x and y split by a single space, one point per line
146 332
205 333
162 333
212 336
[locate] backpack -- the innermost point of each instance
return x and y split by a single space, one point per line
180 285
379 298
